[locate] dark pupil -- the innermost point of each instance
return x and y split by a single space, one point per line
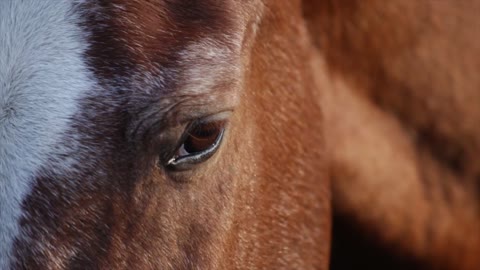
201 137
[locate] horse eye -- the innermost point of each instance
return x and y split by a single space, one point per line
199 142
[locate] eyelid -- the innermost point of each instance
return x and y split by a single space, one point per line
222 116
200 116
152 122
214 117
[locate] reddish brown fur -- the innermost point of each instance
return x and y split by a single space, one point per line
259 203
400 105
402 113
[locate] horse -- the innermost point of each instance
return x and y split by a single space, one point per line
151 135
236 134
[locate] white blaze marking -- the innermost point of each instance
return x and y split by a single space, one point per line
42 77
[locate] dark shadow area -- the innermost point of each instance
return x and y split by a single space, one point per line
352 249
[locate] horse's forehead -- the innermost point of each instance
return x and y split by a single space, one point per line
55 55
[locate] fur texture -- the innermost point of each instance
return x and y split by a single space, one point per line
42 78
94 94
401 105
115 84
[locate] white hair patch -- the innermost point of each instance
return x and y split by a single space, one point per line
42 78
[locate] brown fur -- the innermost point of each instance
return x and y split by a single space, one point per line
262 202
402 113
376 92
